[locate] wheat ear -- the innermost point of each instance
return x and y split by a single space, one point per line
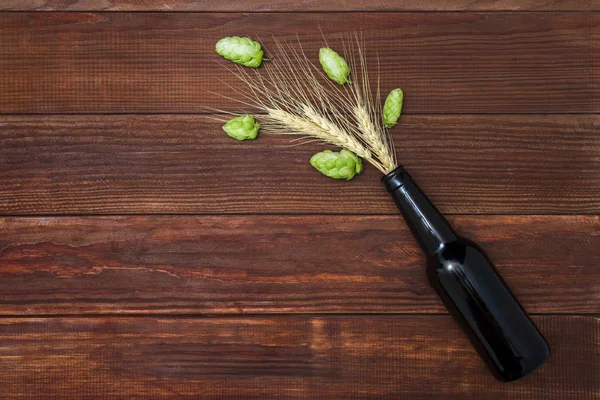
366 111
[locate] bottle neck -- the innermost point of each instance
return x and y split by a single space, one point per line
427 224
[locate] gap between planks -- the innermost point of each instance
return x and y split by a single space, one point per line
264 315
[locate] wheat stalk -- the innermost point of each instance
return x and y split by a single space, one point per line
297 99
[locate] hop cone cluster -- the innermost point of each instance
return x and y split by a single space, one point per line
240 50
337 165
242 128
290 93
334 65
393 107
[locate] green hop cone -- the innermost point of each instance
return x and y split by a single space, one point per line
334 65
242 128
240 50
337 165
392 107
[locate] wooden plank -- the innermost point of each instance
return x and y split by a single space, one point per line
306 5
287 357
165 62
186 164
278 264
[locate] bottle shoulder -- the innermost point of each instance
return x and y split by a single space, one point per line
461 254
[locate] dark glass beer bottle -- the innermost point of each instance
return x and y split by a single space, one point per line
470 287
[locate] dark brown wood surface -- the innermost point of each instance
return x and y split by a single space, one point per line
383 357
504 164
276 264
305 5
165 62
144 254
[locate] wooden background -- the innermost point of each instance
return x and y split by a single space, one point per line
144 254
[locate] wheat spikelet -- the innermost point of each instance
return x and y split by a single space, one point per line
366 111
313 124
297 99
336 134
372 137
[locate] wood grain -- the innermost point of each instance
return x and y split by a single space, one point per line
278 264
288 357
305 5
165 62
186 164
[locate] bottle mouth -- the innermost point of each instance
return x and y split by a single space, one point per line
395 179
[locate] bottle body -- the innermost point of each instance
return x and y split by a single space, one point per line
483 305
470 287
